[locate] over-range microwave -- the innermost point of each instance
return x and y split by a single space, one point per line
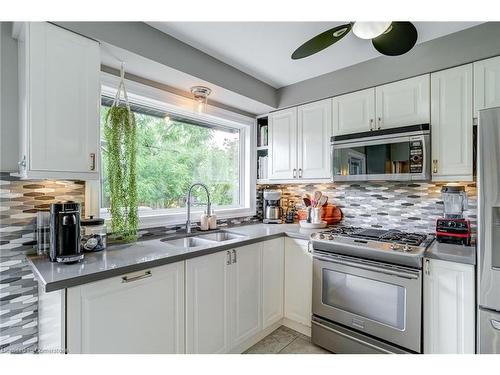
395 154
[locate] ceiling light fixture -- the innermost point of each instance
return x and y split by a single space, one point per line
370 30
200 94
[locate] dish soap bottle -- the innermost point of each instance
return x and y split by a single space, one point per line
212 220
204 221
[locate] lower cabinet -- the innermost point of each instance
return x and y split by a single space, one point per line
298 281
449 300
273 281
141 312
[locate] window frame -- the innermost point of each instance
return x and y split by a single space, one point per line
183 106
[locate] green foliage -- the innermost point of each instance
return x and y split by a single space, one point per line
173 155
120 158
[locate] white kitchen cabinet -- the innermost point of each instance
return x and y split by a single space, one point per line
141 312
283 144
273 279
59 89
486 84
451 124
207 303
449 307
354 112
223 299
299 141
245 287
313 136
298 281
403 103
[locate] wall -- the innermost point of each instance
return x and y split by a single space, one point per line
9 97
19 201
463 47
410 207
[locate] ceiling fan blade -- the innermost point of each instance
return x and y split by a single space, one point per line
397 40
321 41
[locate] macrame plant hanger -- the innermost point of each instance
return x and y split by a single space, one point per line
121 87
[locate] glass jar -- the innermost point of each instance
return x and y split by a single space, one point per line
93 237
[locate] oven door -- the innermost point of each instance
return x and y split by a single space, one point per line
377 299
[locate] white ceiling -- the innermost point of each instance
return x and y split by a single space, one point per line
263 49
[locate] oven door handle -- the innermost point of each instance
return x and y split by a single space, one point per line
378 348
407 275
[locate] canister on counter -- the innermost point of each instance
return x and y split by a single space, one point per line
93 234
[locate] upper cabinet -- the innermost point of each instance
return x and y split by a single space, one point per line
283 142
403 103
314 132
451 124
59 79
396 104
354 112
486 84
299 139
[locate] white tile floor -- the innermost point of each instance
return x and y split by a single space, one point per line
285 341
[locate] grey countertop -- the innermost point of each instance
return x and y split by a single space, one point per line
117 260
452 253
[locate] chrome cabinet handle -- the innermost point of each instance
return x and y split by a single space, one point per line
127 279
434 166
228 260
371 124
427 267
379 123
92 161
300 172
495 324
294 173
234 256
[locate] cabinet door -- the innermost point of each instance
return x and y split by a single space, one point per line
246 293
298 281
142 312
314 132
486 84
273 275
451 124
449 304
283 142
207 303
403 103
64 97
354 112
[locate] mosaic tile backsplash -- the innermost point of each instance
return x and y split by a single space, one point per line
393 205
19 202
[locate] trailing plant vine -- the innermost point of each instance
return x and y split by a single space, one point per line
121 144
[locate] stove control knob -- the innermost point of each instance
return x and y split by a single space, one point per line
322 236
330 237
394 246
406 248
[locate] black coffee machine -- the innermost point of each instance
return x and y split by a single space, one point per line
65 232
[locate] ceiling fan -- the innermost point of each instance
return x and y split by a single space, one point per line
389 38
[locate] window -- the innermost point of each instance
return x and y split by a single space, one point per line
177 148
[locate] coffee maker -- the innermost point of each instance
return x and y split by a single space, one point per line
272 208
454 228
65 232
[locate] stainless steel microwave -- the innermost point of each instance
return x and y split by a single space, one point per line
396 154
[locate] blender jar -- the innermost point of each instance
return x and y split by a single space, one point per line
454 200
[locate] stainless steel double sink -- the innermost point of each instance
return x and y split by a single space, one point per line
201 240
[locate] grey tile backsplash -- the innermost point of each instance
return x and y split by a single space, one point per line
19 202
395 205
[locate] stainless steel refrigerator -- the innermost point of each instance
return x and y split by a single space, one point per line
489 231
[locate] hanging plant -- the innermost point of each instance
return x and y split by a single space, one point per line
121 141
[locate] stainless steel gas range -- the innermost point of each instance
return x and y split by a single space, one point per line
367 290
